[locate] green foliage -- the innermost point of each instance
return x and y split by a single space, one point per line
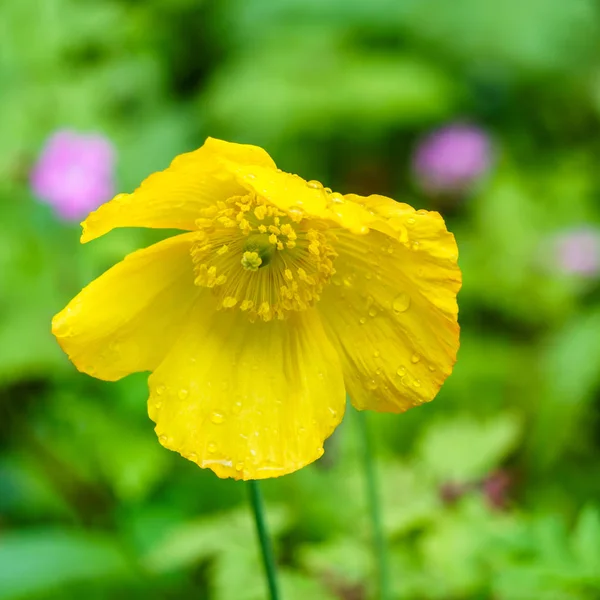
491 491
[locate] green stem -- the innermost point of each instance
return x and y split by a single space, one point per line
371 488
263 535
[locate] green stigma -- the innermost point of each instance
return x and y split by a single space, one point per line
251 261
258 251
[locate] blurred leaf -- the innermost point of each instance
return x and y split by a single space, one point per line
34 561
297 586
463 448
196 541
346 560
538 35
570 363
318 86
586 541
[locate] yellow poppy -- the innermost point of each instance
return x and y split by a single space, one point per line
281 297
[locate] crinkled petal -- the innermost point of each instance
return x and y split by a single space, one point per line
125 320
174 198
248 400
391 308
292 194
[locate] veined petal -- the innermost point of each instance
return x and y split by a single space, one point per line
126 320
391 310
175 197
248 400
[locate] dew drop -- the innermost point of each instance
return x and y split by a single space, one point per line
212 447
237 408
193 457
160 389
401 303
417 383
239 466
401 372
372 384
415 358
362 320
315 185
415 246
336 198
333 412
347 281
158 405
183 394
372 312
217 418
410 221
431 368
162 439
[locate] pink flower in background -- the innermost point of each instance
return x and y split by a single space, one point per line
451 159
74 173
578 252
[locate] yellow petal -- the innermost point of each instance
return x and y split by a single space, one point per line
391 309
125 320
293 194
175 197
248 400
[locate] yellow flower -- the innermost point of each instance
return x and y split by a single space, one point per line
281 297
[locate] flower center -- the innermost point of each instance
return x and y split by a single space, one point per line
261 260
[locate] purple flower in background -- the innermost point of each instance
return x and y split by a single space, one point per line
74 173
449 160
577 252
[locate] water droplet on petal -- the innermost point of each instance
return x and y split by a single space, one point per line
193 457
217 418
158 405
160 389
162 439
362 320
183 394
336 198
315 185
401 372
401 303
239 466
415 246
417 383
212 447
431 368
410 221
372 384
415 358
237 408
372 312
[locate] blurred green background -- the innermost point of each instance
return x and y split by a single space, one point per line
493 490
